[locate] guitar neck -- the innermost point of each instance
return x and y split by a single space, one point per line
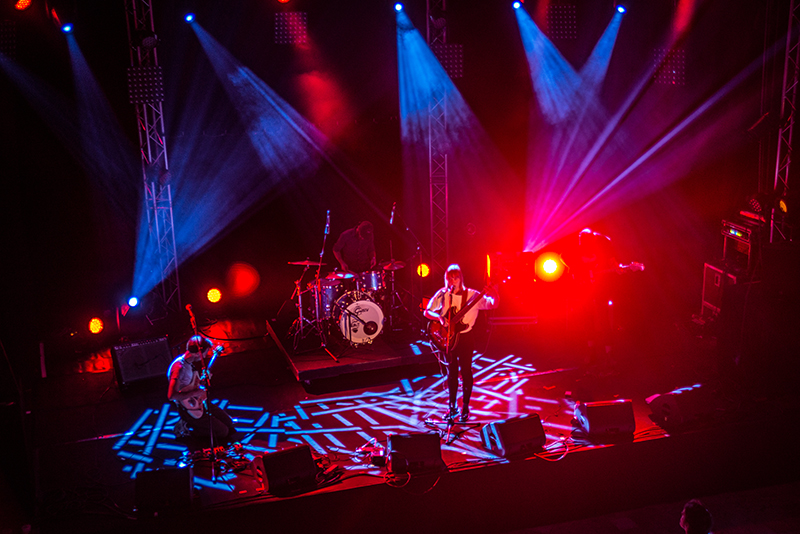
471 304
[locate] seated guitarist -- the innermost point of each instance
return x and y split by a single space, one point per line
187 391
446 303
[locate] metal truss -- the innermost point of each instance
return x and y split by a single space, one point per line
145 88
788 100
437 148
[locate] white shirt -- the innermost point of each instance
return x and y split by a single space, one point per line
443 300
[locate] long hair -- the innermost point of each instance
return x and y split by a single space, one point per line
452 269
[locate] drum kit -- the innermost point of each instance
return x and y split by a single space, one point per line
346 304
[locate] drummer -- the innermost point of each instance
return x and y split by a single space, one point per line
355 248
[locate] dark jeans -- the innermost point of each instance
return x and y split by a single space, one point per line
214 418
460 360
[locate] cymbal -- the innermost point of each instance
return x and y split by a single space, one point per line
340 275
393 265
306 262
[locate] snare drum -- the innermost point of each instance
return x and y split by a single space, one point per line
370 281
326 295
360 319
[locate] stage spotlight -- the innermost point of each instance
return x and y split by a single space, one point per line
189 17
214 295
621 9
423 270
145 39
517 5
549 267
22 5
95 325
66 28
398 6
133 302
242 279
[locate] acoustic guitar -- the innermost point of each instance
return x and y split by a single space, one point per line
194 404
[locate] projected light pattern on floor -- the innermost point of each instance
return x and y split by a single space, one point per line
340 424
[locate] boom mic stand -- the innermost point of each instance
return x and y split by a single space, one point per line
323 337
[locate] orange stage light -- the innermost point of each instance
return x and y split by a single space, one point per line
423 270
549 267
22 5
214 295
96 325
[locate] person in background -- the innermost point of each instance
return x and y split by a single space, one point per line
695 518
355 248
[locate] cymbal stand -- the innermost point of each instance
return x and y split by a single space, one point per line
301 325
394 298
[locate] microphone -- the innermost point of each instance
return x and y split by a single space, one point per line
391 218
217 352
328 223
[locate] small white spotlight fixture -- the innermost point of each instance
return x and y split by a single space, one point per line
516 5
133 302
621 9
398 6
66 28
189 17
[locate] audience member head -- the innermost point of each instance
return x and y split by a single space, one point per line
695 518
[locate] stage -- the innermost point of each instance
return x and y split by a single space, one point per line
93 439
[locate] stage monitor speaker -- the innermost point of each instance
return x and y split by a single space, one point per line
606 419
163 490
286 471
415 452
682 406
140 360
514 436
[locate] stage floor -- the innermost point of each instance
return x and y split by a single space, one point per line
93 438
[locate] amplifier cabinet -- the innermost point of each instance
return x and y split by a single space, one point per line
141 359
714 282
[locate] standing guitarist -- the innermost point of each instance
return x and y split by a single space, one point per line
458 336
187 391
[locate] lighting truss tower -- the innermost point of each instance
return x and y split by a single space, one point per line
788 100
437 146
145 85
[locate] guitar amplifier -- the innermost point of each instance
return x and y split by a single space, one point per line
140 360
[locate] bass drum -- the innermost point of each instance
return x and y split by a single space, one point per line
360 319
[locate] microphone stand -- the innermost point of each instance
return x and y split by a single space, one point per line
317 305
206 403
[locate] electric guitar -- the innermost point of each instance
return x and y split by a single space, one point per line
195 404
445 338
